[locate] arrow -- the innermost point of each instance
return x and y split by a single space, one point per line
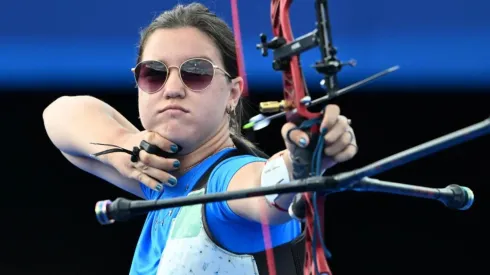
260 121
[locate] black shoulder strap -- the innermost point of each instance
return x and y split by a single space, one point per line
203 180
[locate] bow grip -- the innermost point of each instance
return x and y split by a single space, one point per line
302 156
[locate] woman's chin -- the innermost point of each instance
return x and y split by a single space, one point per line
177 134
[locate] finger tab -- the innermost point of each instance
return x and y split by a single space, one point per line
155 150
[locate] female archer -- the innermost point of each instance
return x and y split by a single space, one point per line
189 105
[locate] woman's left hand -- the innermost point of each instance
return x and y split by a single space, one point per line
340 141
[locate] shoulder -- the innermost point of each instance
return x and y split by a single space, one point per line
219 181
233 167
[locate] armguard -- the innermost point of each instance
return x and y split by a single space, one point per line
275 172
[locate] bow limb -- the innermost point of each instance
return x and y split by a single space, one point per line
293 79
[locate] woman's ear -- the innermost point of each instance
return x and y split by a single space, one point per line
237 85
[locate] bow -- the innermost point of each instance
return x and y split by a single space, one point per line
295 107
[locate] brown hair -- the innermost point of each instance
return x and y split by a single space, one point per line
200 17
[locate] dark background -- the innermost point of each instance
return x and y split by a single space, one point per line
49 225
51 48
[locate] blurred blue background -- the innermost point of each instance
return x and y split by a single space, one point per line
85 43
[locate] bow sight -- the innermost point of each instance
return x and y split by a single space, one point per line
284 51
329 65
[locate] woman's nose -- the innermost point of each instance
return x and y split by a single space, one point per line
174 86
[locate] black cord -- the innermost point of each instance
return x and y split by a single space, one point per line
134 154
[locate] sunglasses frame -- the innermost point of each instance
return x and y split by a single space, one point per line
215 67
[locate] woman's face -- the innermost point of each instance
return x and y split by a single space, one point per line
205 111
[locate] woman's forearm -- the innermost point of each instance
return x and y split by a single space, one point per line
73 122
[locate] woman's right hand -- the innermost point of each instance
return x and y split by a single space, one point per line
151 170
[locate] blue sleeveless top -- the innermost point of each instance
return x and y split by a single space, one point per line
157 225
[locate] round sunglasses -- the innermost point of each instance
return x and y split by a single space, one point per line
195 73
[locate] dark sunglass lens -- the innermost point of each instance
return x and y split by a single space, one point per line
151 75
197 74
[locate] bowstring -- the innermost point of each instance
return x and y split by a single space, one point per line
239 46
316 169
269 253
242 72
